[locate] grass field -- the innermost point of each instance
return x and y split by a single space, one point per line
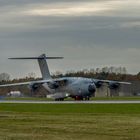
69 121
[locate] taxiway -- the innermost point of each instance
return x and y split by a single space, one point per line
73 102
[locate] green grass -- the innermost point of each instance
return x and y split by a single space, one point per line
71 108
69 121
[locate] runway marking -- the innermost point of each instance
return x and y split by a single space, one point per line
72 102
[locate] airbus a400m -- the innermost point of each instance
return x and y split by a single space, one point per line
76 87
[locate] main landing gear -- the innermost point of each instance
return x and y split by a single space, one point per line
79 98
60 99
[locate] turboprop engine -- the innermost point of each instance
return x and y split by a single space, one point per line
91 88
98 83
53 85
33 87
114 85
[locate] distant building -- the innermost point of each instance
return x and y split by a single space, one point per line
14 94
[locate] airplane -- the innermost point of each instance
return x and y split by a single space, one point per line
78 88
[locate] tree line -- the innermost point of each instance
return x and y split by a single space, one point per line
5 78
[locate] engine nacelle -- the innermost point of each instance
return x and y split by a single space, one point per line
33 87
91 88
53 85
113 85
98 84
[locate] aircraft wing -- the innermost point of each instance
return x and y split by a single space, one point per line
25 83
15 84
111 84
110 81
60 81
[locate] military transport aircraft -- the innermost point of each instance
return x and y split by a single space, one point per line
78 88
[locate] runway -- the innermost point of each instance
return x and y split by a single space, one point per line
72 102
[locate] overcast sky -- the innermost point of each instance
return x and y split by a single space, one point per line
88 33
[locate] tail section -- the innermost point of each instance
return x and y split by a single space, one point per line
44 67
42 64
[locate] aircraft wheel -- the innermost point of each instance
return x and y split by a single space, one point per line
87 98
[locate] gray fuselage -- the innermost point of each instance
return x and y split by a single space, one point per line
81 87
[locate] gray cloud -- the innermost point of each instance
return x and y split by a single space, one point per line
88 34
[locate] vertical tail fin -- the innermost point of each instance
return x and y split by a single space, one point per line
42 64
44 67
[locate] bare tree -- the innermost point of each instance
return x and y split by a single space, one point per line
4 77
32 75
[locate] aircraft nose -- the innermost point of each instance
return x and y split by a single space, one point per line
91 88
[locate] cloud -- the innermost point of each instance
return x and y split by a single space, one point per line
69 9
107 8
87 33
131 24
30 14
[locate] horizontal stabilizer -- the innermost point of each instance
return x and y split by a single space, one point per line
42 64
37 58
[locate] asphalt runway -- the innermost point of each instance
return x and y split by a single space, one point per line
73 102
